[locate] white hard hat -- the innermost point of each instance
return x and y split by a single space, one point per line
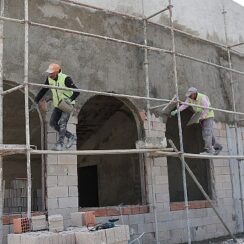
190 91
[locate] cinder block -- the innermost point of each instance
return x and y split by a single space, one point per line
77 219
14 239
67 180
52 203
68 202
96 237
73 191
56 223
67 159
52 180
59 191
39 222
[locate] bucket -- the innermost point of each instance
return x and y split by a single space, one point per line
65 107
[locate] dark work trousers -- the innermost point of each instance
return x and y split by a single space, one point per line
207 134
58 121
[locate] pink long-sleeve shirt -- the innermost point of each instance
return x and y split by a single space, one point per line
205 104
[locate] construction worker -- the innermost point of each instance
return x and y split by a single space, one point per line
59 118
206 119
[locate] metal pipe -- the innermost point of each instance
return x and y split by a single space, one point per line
1 122
203 192
159 106
146 69
236 45
12 90
167 151
27 118
179 124
102 93
20 21
159 12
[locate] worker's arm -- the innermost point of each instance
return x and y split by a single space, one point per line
42 92
182 107
70 84
205 104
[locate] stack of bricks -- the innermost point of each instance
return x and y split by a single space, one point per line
116 235
62 178
21 225
56 223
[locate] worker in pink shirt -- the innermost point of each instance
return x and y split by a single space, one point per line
211 146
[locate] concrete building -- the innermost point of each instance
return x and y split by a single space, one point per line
127 186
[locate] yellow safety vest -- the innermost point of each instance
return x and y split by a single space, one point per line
59 95
200 97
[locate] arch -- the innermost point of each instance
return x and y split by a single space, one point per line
193 143
105 122
14 166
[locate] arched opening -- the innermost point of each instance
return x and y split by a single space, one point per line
108 123
193 143
14 166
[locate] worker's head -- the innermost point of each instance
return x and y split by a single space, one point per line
192 93
53 70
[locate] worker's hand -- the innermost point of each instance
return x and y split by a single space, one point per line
33 107
173 113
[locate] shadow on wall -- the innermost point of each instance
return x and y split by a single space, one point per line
107 180
14 166
193 143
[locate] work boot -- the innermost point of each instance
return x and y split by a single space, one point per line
58 146
207 151
217 149
71 141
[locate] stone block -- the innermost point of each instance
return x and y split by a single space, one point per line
52 180
38 223
73 191
59 191
68 202
67 180
77 219
56 223
67 159
14 239
52 203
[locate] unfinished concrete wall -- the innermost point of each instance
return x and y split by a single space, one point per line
204 19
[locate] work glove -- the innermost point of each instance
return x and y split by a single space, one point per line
173 113
33 107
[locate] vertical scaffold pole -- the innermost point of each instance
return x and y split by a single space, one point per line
179 123
27 116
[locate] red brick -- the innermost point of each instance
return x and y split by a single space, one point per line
112 212
135 209
101 212
89 218
126 210
21 225
144 209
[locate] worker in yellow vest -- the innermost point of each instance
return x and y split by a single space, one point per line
60 116
206 119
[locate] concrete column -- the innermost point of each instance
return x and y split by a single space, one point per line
62 179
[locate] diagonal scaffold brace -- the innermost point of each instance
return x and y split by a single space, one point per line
203 191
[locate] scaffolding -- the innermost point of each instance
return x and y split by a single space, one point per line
157 152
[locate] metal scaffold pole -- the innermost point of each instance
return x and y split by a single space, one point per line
27 117
1 123
179 124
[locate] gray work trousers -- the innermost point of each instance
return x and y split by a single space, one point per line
59 121
207 134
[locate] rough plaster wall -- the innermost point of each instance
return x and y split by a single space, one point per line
203 18
118 175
